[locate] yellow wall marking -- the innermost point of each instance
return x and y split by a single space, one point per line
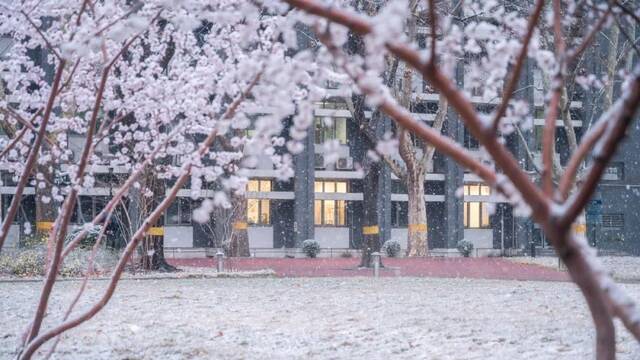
240 225
580 228
370 230
156 231
44 225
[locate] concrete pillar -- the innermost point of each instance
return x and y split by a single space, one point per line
384 193
454 175
303 225
523 227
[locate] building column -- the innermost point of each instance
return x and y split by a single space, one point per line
384 192
523 226
303 220
454 174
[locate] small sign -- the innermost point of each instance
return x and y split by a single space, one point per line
155 231
370 230
594 207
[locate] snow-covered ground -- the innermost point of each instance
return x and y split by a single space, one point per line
322 318
626 268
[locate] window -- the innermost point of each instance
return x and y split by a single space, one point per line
399 214
329 128
613 221
259 210
398 187
8 179
476 213
330 212
179 213
6 202
87 208
424 107
469 141
332 103
614 172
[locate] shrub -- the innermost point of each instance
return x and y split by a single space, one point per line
392 248
31 262
311 248
34 240
465 247
346 254
28 262
89 240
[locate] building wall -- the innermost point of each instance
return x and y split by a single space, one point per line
332 237
178 236
481 238
260 236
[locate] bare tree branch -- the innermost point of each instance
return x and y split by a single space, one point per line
517 69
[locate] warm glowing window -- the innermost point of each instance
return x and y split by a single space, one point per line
476 213
259 210
330 212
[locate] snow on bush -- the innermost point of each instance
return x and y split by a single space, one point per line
310 248
90 239
392 248
30 262
26 263
465 247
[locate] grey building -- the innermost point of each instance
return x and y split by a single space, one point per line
325 201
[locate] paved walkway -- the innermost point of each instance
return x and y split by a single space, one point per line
477 268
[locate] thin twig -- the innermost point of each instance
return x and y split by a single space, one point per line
204 148
513 80
586 145
44 38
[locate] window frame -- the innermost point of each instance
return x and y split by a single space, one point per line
179 205
399 214
481 219
320 206
322 130
262 206
614 221
619 166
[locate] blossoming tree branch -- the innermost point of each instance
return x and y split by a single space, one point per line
548 205
171 88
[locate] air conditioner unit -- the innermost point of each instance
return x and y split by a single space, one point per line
319 161
345 163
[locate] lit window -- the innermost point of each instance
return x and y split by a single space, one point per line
476 213
259 210
330 212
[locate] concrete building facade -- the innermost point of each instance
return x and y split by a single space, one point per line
324 201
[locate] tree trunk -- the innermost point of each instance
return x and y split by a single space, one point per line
239 242
158 261
417 244
46 209
151 249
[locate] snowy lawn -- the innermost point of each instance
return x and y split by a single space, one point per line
322 318
626 268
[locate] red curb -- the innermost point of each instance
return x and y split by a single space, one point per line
475 268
